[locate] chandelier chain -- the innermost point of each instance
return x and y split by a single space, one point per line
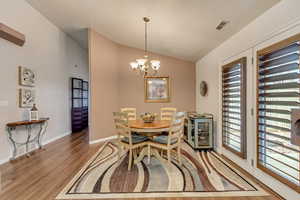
146 47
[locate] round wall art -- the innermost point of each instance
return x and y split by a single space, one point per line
203 88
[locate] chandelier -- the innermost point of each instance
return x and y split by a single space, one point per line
145 66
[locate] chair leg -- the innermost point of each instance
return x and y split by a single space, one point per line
130 160
169 155
179 155
149 153
135 152
119 151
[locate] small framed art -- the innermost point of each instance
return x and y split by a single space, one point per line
157 89
26 77
26 98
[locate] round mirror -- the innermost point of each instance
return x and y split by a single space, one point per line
203 88
297 128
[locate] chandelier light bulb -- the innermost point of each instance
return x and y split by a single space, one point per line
141 61
155 64
134 65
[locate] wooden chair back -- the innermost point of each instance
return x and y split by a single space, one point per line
131 113
167 113
177 127
121 123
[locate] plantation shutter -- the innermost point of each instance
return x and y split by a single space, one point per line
278 93
234 106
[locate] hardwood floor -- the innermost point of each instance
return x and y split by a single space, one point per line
46 172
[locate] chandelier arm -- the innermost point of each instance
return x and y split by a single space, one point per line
155 72
142 72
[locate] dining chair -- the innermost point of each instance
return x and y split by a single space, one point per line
173 139
131 113
167 113
126 138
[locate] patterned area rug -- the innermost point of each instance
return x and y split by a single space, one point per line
202 174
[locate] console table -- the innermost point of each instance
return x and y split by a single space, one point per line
11 129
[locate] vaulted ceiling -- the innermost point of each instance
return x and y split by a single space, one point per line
183 29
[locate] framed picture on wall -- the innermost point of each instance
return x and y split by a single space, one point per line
157 89
26 77
26 98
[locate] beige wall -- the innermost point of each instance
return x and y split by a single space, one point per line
114 85
131 84
103 85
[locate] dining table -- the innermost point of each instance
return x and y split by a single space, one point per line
150 130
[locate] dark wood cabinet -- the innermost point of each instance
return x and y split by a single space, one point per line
80 104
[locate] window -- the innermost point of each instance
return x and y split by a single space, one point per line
278 92
234 107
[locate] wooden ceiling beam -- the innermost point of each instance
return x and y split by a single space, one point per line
11 35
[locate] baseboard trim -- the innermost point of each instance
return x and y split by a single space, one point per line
57 138
103 139
35 148
4 161
259 182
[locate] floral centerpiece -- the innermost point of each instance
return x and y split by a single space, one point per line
148 117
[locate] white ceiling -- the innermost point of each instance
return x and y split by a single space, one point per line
179 28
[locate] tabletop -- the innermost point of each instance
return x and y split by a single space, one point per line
158 124
27 122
